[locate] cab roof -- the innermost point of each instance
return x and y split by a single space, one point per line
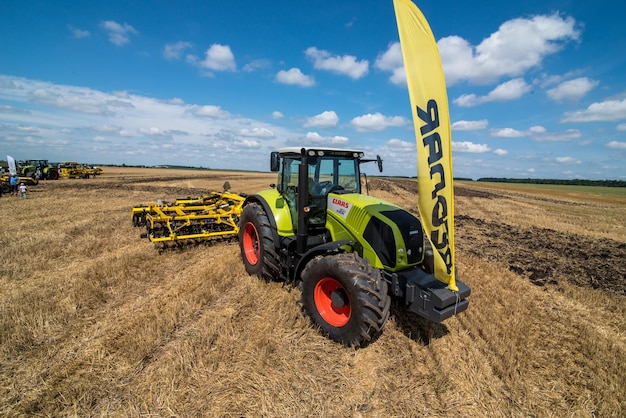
326 150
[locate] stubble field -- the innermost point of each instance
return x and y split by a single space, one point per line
94 321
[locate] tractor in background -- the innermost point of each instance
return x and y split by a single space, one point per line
39 169
348 252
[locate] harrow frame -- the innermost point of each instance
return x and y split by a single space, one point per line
213 215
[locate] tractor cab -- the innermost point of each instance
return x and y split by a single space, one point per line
311 174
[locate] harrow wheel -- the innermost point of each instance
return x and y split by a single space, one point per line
256 242
346 298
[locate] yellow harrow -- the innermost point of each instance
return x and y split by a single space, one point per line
211 216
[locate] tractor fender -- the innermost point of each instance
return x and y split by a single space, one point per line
268 210
324 249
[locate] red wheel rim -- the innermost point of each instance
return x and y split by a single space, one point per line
336 316
251 243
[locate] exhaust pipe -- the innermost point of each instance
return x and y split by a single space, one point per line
303 201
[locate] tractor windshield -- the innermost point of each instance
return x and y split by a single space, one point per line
334 174
326 174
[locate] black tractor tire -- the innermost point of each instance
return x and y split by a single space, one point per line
53 174
346 298
6 188
256 242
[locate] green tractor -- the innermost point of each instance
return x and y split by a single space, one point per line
39 169
349 253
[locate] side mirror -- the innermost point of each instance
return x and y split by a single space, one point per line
274 161
379 161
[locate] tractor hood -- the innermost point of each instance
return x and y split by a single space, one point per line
391 235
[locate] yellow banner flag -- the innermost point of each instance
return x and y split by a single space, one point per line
431 120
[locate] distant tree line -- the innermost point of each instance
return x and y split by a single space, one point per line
574 182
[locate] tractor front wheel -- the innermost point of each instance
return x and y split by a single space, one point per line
53 174
346 298
256 243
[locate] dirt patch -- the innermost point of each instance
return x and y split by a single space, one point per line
546 256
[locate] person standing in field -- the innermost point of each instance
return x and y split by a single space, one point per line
13 183
23 190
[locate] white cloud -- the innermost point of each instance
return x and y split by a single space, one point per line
324 120
256 65
616 145
376 122
118 34
507 133
248 143
567 160
294 77
609 110
74 98
500 152
391 60
346 64
510 90
313 138
571 90
107 128
121 127
152 131
78 33
537 130
277 115
10 109
209 111
537 133
469 125
174 51
469 147
517 46
219 58
563 136
401 146
256 133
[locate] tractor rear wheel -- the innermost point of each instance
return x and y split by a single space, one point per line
256 242
346 298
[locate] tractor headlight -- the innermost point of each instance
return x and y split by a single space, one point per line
400 255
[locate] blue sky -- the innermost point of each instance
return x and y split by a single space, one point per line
536 88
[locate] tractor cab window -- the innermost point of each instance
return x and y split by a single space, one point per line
334 174
289 174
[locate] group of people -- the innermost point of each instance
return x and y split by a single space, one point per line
17 187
